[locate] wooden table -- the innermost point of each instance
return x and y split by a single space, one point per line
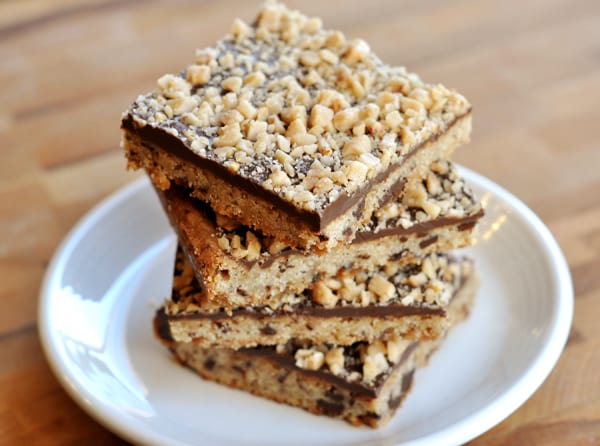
68 68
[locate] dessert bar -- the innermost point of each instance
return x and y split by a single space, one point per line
292 129
409 301
362 383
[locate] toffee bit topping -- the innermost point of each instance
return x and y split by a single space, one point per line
430 283
443 193
273 94
360 362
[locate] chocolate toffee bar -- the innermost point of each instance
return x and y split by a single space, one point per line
363 384
237 266
408 301
292 129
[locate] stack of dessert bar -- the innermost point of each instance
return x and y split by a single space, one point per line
315 206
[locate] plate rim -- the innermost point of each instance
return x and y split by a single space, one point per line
464 430
544 362
101 414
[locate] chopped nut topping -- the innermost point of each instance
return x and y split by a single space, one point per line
360 362
443 193
430 283
328 97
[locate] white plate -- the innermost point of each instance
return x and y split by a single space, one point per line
113 270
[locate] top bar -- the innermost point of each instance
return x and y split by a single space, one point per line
292 129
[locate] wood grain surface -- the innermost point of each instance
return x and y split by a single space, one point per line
69 68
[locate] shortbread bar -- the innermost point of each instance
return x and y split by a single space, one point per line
237 266
293 130
409 301
363 384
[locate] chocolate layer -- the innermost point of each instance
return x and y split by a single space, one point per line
316 221
161 326
317 312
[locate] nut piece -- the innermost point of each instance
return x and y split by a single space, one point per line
374 365
395 346
230 137
254 79
356 146
198 74
233 83
231 117
321 116
433 183
276 246
309 359
309 59
279 178
417 280
431 208
345 119
335 40
255 129
172 86
240 29
328 56
270 18
223 243
383 288
246 109
324 296
182 105
356 172
356 52
428 268
394 120
252 246
334 359
313 25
